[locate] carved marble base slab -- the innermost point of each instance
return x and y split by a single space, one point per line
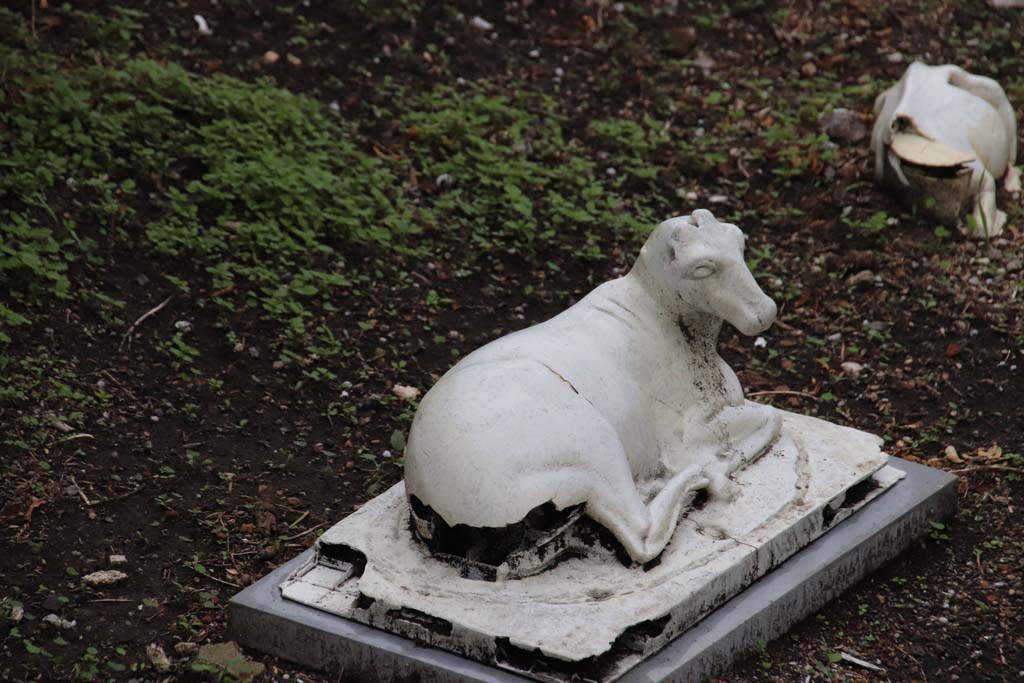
592 617
260 618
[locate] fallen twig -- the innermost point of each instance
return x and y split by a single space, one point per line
788 327
153 311
118 497
73 437
296 522
913 659
978 468
784 393
81 492
860 662
307 531
223 581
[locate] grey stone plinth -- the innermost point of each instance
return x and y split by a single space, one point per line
260 618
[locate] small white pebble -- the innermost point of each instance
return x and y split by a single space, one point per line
204 28
481 24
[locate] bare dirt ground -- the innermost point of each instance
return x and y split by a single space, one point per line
205 400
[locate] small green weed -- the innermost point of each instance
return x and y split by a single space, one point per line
505 173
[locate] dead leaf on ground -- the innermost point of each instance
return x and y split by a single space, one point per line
36 502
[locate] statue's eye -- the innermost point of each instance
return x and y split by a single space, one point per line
703 270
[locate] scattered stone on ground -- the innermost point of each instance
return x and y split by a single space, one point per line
861 278
59 622
104 577
481 24
679 40
157 657
227 659
844 126
852 369
406 393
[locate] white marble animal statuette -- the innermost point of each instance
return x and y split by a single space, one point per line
945 120
620 404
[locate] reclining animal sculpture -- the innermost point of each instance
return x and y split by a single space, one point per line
938 124
620 406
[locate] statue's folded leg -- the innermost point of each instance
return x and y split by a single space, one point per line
743 433
988 220
645 530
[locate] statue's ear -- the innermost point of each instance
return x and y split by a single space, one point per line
738 235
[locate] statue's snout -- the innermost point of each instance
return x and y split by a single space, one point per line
757 317
766 314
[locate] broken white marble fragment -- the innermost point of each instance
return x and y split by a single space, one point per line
59 622
202 25
104 577
406 393
948 135
620 406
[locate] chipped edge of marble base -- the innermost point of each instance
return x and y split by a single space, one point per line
260 618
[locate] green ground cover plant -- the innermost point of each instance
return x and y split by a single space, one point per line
256 186
260 189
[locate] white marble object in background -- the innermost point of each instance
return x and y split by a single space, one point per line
944 133
620 404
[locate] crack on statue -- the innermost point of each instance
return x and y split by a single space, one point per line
627 309
613 314
561 377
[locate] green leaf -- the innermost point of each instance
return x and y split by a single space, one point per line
398 441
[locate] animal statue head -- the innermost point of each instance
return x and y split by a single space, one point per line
694 264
